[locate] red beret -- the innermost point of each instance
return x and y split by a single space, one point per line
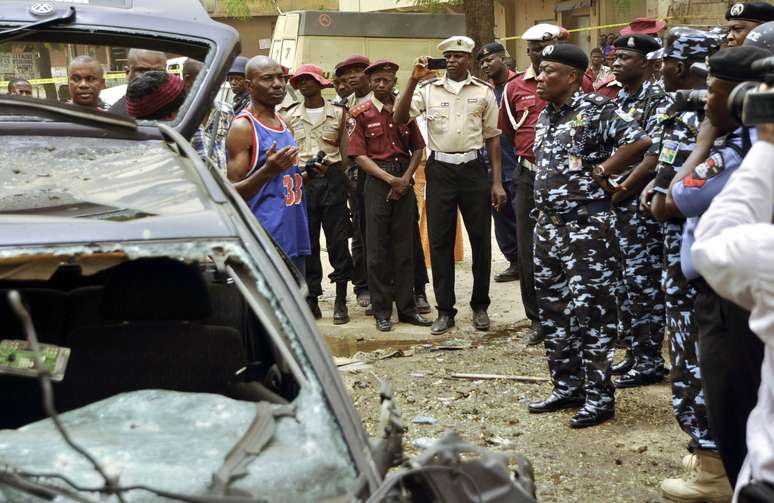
351 61
382 65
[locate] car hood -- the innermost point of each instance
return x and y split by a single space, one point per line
175 441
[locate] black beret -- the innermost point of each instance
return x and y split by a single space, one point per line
493 48
735 63
567 54
638 42
758 12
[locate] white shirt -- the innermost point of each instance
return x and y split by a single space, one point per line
315 114
734 252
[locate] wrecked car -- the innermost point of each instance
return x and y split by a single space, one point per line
155 345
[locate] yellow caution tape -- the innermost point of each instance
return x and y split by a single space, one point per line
618 25
64 80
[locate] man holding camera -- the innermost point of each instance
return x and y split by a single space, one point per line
388 153
575 262
724 361
685 46
318 127
461 112
641 301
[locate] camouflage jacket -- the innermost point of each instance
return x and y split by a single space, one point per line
569 141
679 132
646 106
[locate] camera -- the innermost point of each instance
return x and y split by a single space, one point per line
752 102
309 165
436 64
689 100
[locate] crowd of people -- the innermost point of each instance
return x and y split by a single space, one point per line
626 215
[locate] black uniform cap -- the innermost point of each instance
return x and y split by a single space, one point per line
567 54
758 12
492 48
735 63
637 42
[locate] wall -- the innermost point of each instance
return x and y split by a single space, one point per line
251 31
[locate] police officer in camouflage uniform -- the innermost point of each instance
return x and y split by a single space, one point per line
638 234
575 269
680 129
721 360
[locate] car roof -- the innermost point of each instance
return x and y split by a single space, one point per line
176 10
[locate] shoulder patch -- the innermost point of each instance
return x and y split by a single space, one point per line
349 125
482 82
597 99
359 109
428 81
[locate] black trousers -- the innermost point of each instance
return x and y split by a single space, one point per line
420 266
390 241
326 206
523 190
730 357
356 206
464 186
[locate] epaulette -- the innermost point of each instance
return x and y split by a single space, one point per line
338 104
291 106
481 81
359 109
428 81
597 99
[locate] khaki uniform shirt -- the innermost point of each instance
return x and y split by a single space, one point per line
456 122
326 135
353 100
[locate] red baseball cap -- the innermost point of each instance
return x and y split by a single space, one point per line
313 71
644 25
356 60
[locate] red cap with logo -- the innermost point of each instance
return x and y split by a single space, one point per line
313 71
356 60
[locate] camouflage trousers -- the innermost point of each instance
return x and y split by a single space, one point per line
640 298
687 394
574 280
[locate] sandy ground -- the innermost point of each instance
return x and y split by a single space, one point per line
623 460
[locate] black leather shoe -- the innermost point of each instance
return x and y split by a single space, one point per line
481 319
340 312
417 320
533 336
369 310
442 324
363 298
423 307
315 308
383 324
555 402
585 418
624 365
634 378
510 274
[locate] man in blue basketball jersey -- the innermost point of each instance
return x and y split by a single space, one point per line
262 162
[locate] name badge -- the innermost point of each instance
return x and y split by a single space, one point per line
575 163
668 151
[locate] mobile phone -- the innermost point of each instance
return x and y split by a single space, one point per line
436 63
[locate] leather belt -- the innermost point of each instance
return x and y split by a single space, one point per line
527 164
456 158
579 212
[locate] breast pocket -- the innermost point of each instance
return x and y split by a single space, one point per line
374 131
438 119
567 141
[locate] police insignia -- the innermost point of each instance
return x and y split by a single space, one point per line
704 171
737 9
548 50
630 42
668 151
350 125
578 121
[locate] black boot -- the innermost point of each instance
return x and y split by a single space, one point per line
340 313
624 365
314 307
420 299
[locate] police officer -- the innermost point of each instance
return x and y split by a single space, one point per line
519 112
729 354
743 17
239 85
461 113
490 58
641 301
318 126
352 71
685 46
574 253
389 154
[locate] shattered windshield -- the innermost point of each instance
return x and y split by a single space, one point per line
209 398
93 178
